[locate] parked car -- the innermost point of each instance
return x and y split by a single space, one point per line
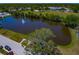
7 48
10 53
1 47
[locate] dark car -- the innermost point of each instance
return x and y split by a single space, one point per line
10 53
1 47
7 48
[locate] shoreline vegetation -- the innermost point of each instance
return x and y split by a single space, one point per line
69 19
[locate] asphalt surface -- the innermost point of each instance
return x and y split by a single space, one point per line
15 46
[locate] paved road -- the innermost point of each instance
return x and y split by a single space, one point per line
16 47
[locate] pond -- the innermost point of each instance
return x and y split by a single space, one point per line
26 25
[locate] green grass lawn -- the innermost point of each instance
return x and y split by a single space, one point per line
13 35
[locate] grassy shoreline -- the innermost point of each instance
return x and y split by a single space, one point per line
12 35
73 47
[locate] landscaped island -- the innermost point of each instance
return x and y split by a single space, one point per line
41 29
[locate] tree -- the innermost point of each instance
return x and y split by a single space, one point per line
71 20
40 44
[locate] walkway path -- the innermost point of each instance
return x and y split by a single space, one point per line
22 41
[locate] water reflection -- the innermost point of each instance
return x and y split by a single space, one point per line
23 21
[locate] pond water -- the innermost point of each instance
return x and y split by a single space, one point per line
25 26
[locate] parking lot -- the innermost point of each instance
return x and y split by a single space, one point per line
15 47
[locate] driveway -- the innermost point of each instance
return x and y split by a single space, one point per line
16 47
